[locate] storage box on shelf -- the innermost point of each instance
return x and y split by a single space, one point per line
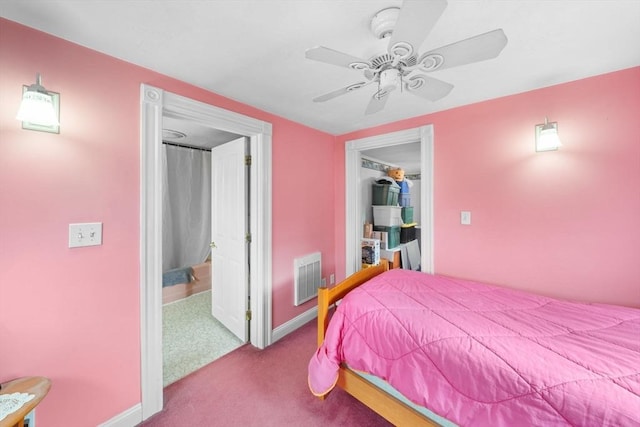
387 216
384 194
391 237
404 199
407 214
407 232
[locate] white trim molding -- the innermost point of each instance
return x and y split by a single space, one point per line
353 202
150 251
130 417
295 323
155 103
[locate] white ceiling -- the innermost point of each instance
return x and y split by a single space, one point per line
405 156
253 51
193 133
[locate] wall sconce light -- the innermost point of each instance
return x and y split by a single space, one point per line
39 109
547 136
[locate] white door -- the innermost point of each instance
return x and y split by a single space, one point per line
229 265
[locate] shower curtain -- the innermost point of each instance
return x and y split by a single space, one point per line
186 200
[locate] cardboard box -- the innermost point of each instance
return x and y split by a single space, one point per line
389 235
370 251
367 230
382 236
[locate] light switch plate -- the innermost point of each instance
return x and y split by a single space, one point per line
85 234
465 217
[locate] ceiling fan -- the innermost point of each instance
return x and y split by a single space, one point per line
401 66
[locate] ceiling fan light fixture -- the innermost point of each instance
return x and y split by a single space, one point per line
390 79
384 21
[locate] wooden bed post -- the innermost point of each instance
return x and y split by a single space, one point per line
395 411
328 296
323 313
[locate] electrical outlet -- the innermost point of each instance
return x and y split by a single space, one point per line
85 234
30 419
332 279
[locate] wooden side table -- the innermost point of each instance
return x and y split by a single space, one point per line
39 386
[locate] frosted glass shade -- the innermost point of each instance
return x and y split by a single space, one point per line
547 138
38 108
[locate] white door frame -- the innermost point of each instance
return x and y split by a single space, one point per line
154 103
353 202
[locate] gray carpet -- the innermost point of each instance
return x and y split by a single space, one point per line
192 338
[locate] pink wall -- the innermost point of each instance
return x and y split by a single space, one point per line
302 183
73 314
563 223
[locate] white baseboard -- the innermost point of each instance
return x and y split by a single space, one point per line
293 324
129 418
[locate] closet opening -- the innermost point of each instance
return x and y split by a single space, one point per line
354 211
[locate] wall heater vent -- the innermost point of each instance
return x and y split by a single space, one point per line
308 277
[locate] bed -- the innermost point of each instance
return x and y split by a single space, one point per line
457 352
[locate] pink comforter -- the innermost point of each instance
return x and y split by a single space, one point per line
484 355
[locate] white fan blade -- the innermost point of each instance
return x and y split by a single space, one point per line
377 102
474 49
330 56
335 93
415 21
428 87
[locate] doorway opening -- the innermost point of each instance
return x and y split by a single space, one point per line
155 103
193 334
353 205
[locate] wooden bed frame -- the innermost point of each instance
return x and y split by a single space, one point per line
394 410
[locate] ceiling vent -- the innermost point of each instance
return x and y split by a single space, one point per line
172 134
